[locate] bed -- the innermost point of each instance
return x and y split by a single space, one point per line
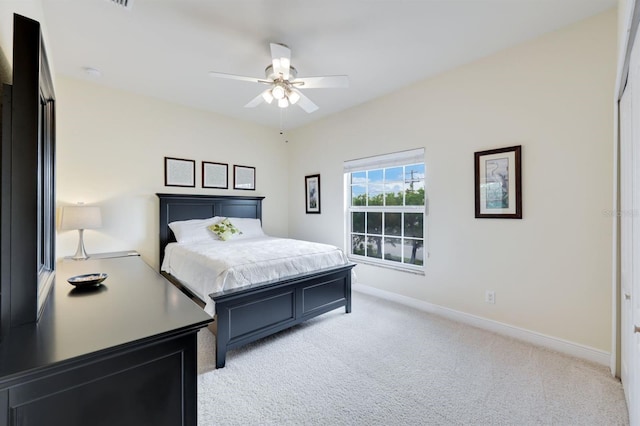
250 312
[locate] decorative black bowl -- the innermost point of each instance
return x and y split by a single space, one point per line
88 280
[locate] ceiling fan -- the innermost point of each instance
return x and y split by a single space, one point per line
284 83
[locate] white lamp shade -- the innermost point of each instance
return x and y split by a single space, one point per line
293 96
283 103
278 92
80 217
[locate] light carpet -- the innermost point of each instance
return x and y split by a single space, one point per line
387 364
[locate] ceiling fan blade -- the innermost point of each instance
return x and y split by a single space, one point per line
237 77
328 81
281 59
306 104
257 100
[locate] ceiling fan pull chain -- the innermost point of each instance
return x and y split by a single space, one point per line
281 121
283 112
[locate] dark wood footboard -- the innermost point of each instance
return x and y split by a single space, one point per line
248 314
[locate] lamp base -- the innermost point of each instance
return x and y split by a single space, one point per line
81 254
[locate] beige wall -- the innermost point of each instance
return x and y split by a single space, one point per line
551 271
110 151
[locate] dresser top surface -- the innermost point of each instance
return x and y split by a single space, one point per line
134 304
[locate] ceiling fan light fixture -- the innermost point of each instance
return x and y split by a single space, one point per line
293 96
278 92
283 82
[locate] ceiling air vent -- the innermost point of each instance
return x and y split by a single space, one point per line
125 4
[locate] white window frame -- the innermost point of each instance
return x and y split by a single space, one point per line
404 158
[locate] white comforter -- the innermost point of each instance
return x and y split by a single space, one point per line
211 266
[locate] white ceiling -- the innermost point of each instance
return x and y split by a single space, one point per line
165 48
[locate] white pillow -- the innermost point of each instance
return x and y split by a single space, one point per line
189 231
250 228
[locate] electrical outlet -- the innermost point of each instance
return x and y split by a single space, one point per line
490 296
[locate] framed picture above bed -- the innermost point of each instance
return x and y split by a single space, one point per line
179 172
244 177
215 175
312 193
498 184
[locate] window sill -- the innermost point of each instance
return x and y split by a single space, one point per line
418 270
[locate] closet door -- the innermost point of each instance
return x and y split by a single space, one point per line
630 236
626 246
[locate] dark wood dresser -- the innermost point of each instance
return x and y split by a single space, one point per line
122 354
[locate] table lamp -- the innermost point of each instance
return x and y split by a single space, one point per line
80 217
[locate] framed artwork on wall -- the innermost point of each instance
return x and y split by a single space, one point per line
215 175
244 177
179 172
312 193
498 183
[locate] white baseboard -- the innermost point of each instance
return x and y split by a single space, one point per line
563 346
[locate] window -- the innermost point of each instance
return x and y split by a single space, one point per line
386 209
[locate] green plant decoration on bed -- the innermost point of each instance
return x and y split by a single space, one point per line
224 229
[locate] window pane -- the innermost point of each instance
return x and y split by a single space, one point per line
374 223
414 252
393 186
375 195
393 174
414 197
357 244
393 194
374 247
359 178
393 224
376 187
375 176
414 181
414 176
357 222
393 249
358 196
413 224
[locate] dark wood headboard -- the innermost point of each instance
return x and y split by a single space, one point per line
184 206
